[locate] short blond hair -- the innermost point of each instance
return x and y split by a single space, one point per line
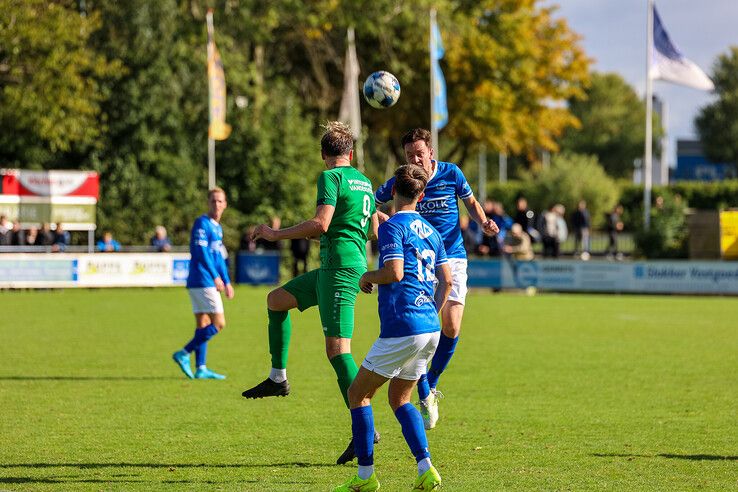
337 139
215 190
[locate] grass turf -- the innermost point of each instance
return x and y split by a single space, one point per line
552 392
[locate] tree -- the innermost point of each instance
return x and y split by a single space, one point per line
717 123
50 81
510 64
570 178
612 124
506 63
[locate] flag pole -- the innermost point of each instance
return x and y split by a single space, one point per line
648 158
434 129
360 140
211 141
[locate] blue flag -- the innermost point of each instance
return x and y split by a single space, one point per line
440 110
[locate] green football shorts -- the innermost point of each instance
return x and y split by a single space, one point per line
334 292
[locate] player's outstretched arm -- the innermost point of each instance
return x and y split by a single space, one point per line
392 271
476 212
375 225
443 289
309 228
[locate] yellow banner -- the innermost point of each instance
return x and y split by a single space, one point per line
218 128
729 235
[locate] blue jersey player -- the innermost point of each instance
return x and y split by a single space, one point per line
208 278
446 184
412 261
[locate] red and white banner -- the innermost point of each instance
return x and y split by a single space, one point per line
50 183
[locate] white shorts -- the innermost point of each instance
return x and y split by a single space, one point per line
206 300
458 280
402 357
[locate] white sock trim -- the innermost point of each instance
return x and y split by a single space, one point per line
424 465
278 375
365 471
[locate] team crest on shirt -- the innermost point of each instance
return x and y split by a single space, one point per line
422 299
420 228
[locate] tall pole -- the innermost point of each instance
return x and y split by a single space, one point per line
434 129
502 163
647 161
664 144
211 163
360 139
211 142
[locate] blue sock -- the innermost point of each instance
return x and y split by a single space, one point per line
445 350
201 353
202 335
362 428
423 387
413 431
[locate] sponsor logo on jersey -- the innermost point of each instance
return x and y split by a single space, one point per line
433 206
420 228
422 299
390 246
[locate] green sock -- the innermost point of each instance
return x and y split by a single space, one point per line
280 329
346 370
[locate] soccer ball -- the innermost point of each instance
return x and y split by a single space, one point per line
381 90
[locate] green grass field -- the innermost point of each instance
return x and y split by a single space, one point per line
552 392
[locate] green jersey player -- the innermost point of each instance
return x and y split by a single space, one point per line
344 216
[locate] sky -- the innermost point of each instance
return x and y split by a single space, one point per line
614 35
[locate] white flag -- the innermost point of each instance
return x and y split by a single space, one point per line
350 111
671 65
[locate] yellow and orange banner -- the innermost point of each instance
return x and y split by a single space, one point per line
218 129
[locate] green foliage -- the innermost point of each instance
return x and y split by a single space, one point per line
667 235
612 124
122 90
50 81
508 60
569 179
717 123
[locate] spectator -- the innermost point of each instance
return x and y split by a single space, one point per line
107 244
517 244
61 239
561 229
493 244
470 233
17 235
614 225
265 245
246 243
6 228
300 249
527 219
46 237
32 237
581 223
550 232
160 242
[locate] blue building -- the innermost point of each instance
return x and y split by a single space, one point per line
692 165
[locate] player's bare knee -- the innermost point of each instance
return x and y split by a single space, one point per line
280 300
335 346
451 330
273 300
396 401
